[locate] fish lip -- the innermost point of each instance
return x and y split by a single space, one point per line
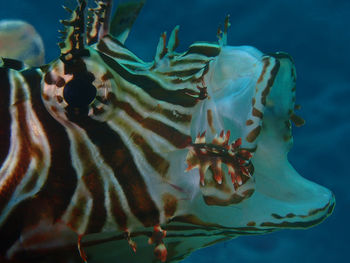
329 207
262 228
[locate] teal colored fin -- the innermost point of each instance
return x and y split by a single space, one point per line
124 18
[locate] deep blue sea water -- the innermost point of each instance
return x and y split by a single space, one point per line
317 35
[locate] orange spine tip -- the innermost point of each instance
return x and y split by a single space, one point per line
81 251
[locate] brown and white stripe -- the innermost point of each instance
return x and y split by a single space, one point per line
90 173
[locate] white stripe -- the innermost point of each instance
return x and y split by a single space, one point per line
37 139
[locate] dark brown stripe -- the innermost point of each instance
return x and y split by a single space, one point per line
301 224
209 51
102 46
268 87
313 212
108 75
292 73
154 159
197 223
119 158
117 210
19 217
304 224
94 183
210 121
183 73
30 185
170 205
266 64
297 120
175 137
253 134
183 60
249 122
169 133
251 223
169 114
257 113
277 216
62 178
289 215
5 125
216 201
164 50
151 86
130 67
281 55
24 149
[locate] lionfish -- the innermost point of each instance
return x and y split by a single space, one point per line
106 157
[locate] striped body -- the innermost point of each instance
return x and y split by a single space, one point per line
174 143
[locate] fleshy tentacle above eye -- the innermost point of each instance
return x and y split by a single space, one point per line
98 21
96 27
73 34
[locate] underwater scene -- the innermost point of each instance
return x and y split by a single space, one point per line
224 139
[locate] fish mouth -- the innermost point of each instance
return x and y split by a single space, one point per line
325 211
314 216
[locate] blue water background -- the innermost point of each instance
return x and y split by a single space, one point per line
317 35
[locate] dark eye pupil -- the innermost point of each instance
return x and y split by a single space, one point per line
79 92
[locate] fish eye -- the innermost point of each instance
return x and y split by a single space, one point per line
80 92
